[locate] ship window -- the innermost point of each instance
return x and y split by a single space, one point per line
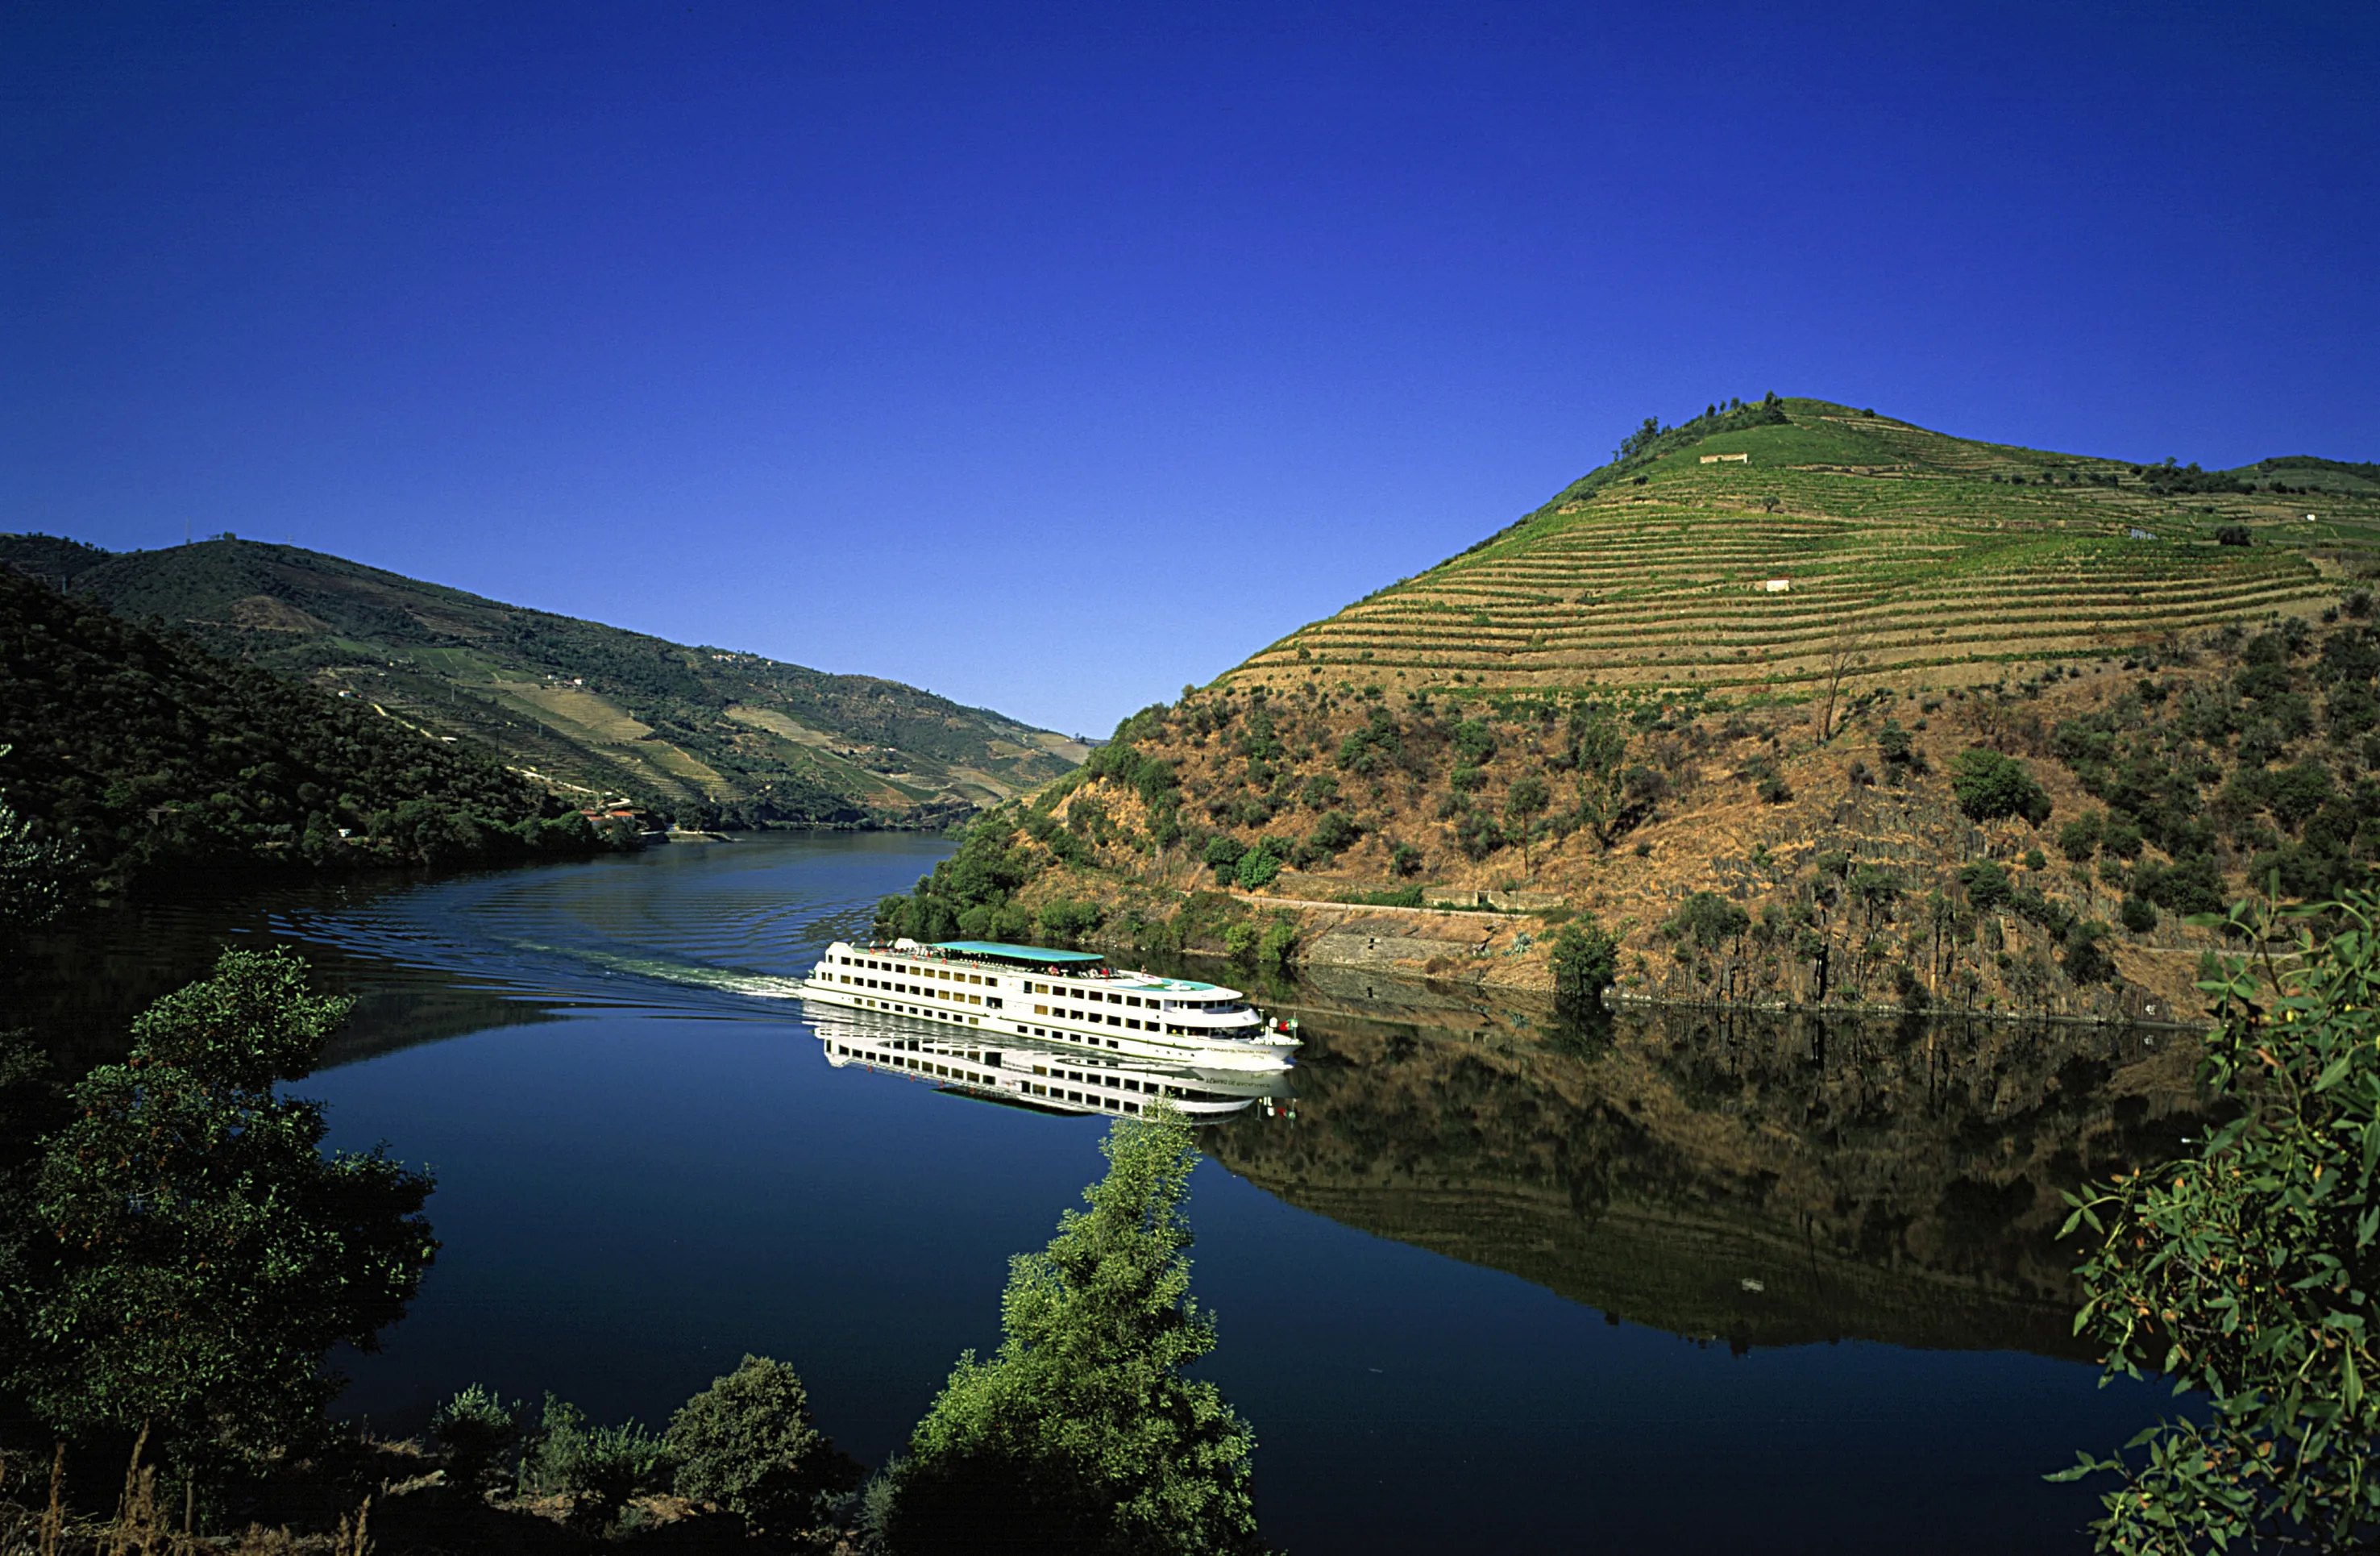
1132 1107
1132 1000
1134 1024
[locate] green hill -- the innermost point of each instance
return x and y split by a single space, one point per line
152 756
709 734
2014 718
1901 551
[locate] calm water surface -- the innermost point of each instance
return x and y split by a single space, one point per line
1681 1285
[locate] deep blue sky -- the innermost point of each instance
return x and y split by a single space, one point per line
1051 358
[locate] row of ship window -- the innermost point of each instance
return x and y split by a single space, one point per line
1046 990
914 992
944 973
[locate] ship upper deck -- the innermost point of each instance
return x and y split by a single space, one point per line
1086 965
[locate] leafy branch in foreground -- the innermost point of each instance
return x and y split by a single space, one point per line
2248 1272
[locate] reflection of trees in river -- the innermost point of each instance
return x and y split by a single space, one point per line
1767 1179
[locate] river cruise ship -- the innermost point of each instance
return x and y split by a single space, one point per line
1030 1072
1071 998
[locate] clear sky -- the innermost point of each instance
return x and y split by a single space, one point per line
1051 358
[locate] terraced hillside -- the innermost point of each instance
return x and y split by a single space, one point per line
1773 549
1989 750
711 736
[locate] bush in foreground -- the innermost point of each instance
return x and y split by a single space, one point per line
747 1443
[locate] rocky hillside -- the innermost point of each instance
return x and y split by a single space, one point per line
2011 815
710 734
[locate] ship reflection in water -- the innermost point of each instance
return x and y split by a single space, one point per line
1052 1077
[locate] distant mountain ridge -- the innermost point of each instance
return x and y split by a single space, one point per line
713 736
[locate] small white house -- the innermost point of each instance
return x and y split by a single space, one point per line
1778 585
1727 459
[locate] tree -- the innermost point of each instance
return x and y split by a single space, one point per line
210 1254
1336 831
1522 805
1586 955
1706 919
1082 1434
36 872
1990 786
1598 756
1260 864
1842 655
2247 1270
748 1443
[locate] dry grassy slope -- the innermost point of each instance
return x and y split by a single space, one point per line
1712 832
1915 552
1877 1183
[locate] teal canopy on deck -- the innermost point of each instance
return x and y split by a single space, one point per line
1015 952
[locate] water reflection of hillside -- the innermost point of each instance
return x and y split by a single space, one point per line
1768 1181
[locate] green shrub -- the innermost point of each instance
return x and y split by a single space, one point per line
1586 958
1224 854
1990 786
599 1468
477 1430
1260 864
1477 834
1404 860
1240 941
1067 921
1083 1432
1279 942
1987 885
747 1443
2138 916
1336 831
1707 921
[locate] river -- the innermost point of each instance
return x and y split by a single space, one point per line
1678 1282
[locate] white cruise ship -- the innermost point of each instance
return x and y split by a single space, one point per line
1032 1073
1069 998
